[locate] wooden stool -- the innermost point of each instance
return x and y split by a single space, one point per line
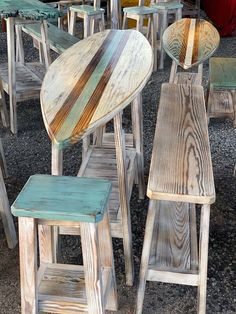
59 288
180 177
222 89
89 14
164 9
140 13
103 79
5 212
189 42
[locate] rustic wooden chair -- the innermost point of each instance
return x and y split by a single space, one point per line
5 213
222 88
189 42
90 15
63 288
139 14
165 8
180 176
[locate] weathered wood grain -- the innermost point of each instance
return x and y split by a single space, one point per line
181 168
190 41
85 90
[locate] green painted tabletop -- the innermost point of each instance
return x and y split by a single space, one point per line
63 198
27 9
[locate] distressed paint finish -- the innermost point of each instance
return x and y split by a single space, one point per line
190 42
58 39
27 9
45 197
223 73
92 81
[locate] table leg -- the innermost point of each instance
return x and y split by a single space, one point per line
12 72
124 199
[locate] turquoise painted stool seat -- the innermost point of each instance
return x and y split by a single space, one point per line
172 5
140 10
87 9
45 204
222 88
63 198
89 14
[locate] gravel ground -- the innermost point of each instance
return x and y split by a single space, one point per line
29 153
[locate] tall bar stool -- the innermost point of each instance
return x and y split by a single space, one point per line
164 9
139 13
89 14
62 288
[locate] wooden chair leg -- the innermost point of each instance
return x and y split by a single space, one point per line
124 201
107 261
173 72
3 107
102 23
45 44
3 164
28 265
137 126
139 25
19 45
203 258
72 23
150 222
178 14
12 73
6 216
92 269
154 39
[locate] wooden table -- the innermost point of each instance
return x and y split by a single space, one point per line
190 42
12 11
87 86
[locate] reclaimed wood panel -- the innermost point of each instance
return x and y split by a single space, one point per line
190 41
92 81
181 168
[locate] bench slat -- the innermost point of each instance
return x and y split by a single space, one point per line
181 168
174 241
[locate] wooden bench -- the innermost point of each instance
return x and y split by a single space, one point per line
58 39
180 177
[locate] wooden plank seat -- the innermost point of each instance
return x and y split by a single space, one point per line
180 177
190 42
58 39
222 88
58 288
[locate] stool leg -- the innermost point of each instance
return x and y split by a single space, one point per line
87 26
151 216
124 200
72 22
28 265
6 216
173 72
178 14
139 24
107 261
92 267
102 23
3 164
45 44
203 257
3 107
137 126
163 27
154 40
124 26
